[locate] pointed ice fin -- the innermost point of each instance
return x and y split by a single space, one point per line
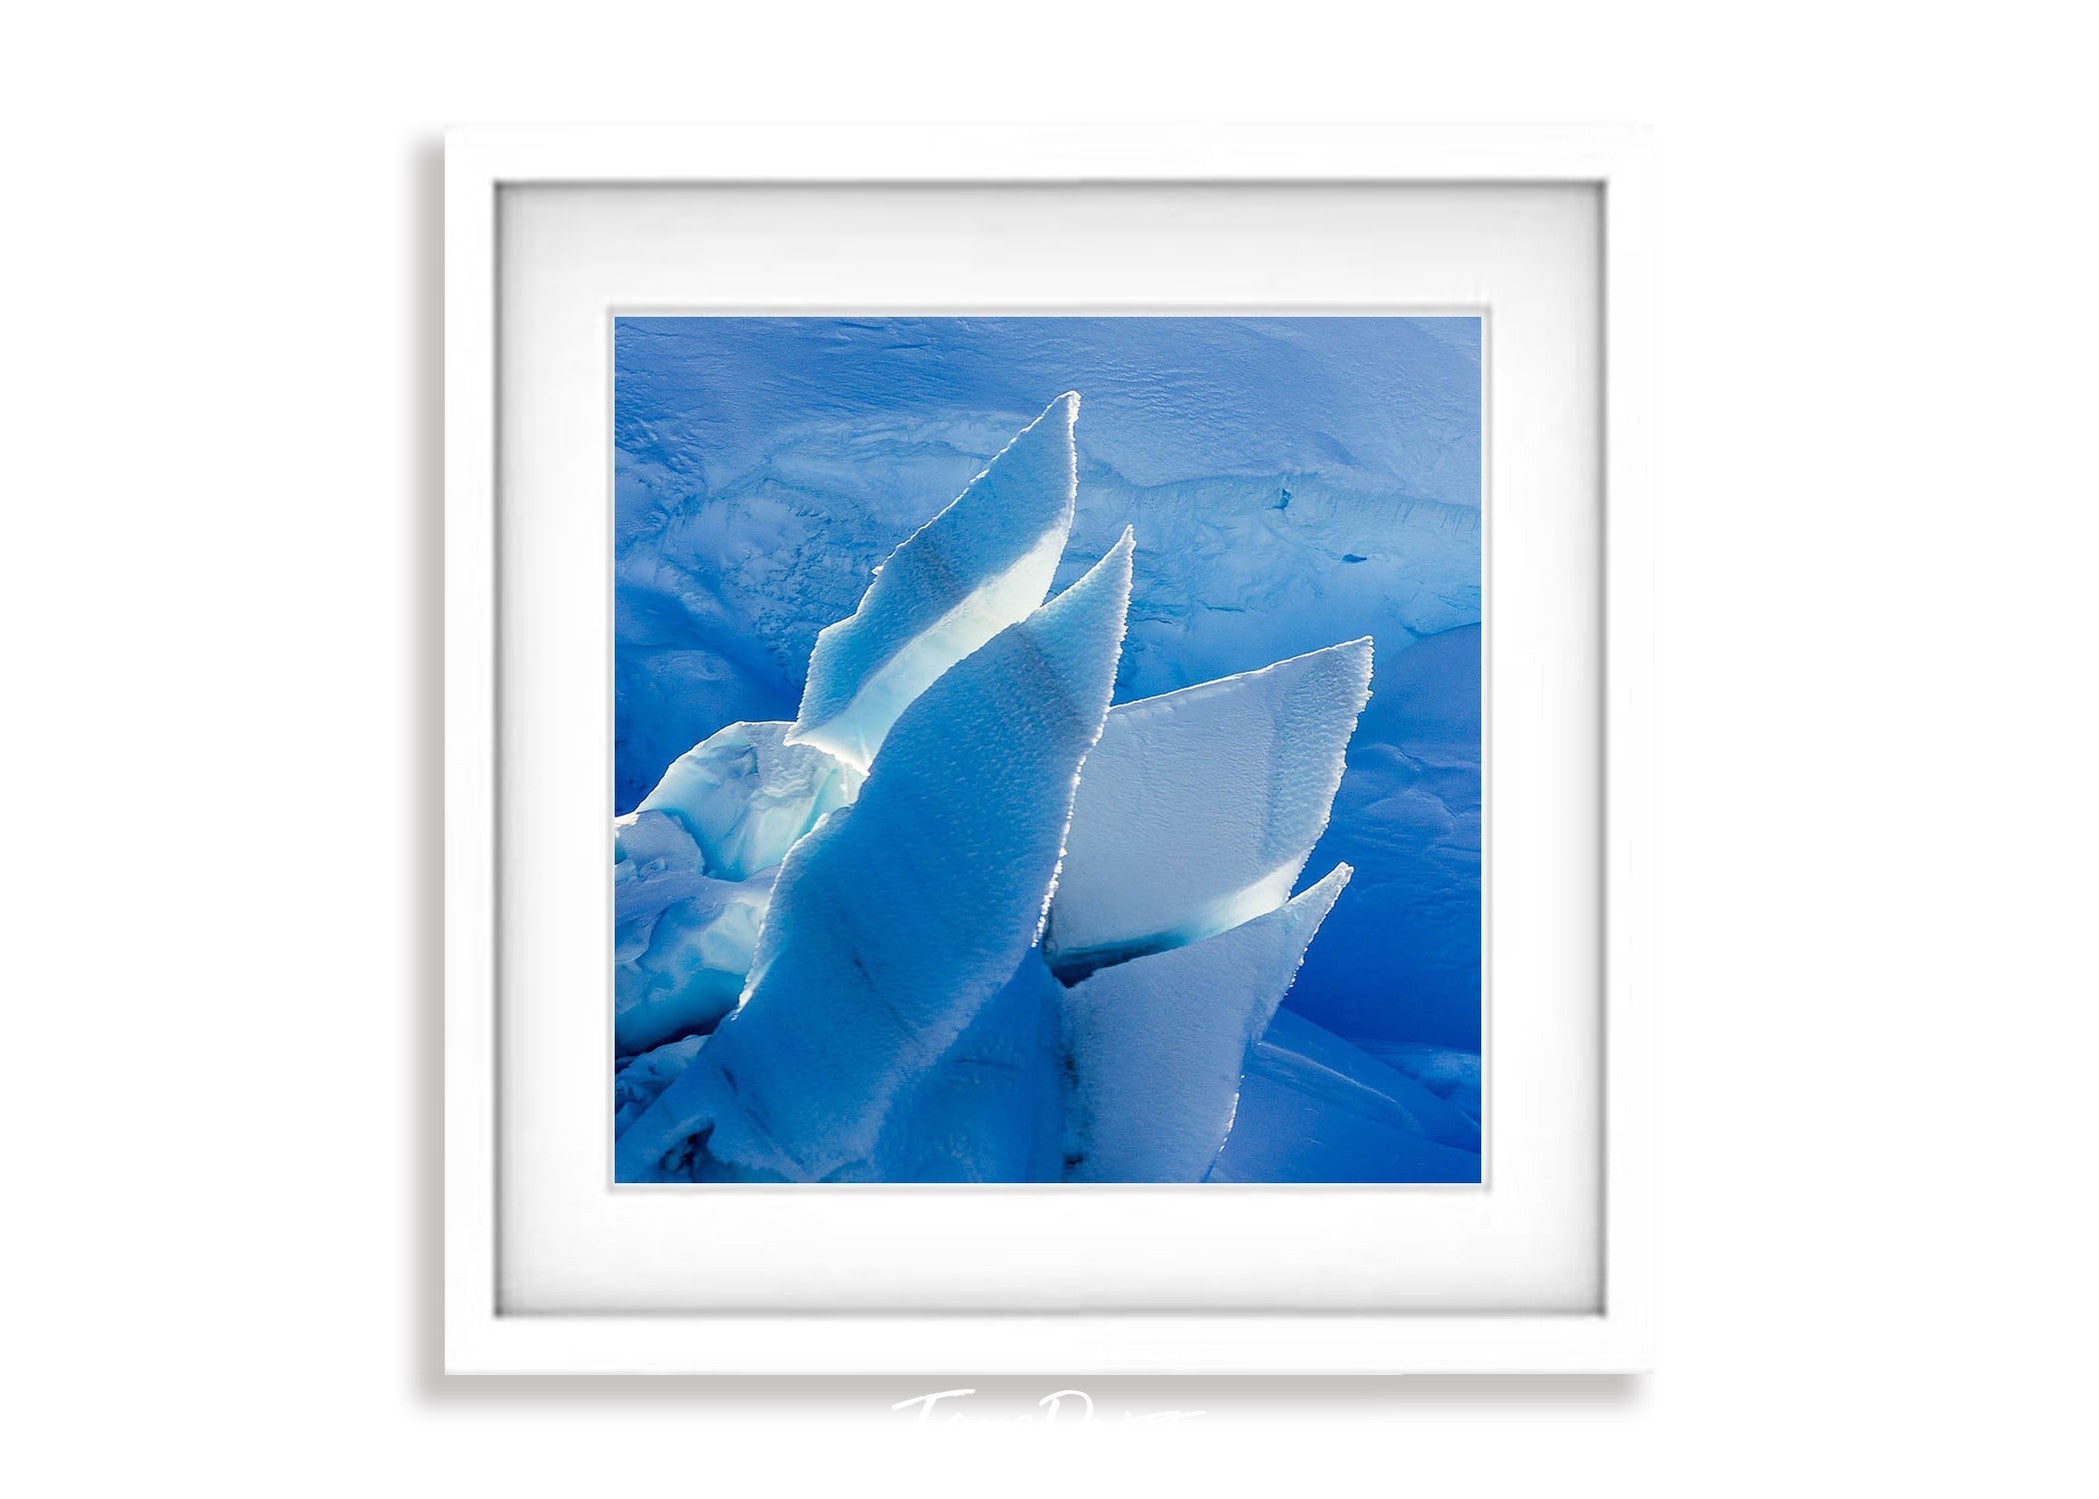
978 566
993 1108
896 920
1158 1043
1199 808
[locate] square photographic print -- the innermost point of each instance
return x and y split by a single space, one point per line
1047 749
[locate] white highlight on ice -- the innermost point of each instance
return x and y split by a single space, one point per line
981 564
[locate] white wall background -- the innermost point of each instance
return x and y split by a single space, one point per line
219 272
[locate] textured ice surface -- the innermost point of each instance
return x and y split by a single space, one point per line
1313 1108
745 796
1453 1076
1292 1044
1293 482
682 940
692 875
993 1108
1377 403
1198 809
1157 1043
901 915
644 1078
669 699
1400 960
978 566
655 864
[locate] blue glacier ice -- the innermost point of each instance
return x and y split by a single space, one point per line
1199 808
693 873
1452 1075
642 1079
1314 1108
1158 1043
682 940
899 916
978 566
1294 482
996 1106
1400 960
747 793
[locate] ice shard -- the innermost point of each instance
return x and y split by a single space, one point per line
746 794
980 565
993 1108
1314 1108
1158 1043
901 915
1199 808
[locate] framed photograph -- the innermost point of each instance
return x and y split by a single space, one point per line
1045 746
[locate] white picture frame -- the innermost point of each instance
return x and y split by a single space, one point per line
480 1335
